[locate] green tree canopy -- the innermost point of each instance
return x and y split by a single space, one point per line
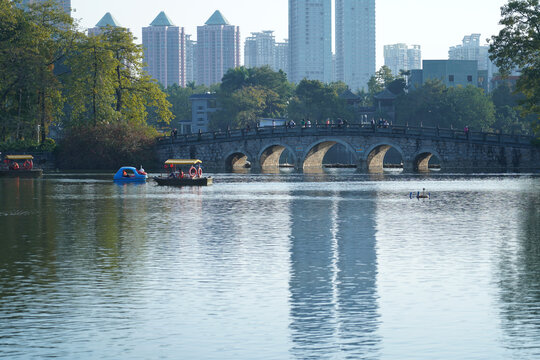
107 82
245 95
434 104
32 46
317 102
518 45
378 82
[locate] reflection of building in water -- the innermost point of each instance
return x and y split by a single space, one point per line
520 285
333 278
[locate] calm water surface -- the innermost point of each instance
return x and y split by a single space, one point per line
290 266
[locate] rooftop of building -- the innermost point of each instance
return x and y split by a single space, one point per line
203 96
385 95
217 18
108 20
348 95
162 20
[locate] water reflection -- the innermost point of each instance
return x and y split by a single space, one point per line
271 266
520 284
333 300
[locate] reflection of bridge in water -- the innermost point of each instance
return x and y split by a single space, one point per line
263 147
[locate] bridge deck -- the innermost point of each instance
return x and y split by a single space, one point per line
352 130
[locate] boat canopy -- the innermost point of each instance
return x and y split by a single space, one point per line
183 162
19 157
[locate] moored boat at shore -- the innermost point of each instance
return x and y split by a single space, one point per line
19 166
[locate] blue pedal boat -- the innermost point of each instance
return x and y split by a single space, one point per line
130 174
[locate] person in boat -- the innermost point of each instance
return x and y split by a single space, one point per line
141 171
423 194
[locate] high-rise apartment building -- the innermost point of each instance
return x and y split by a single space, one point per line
218 49
164 51
310 40
355 42
282 56
64 4
191 59
106 20
402 57
470 49
260 49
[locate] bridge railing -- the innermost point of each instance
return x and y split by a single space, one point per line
347 129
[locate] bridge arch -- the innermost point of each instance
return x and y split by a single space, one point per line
314 154
375 154
269 155
422 157
236 160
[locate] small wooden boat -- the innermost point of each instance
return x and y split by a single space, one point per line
12 167
130 174
175 175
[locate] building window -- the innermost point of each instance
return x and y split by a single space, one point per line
451 78
469 78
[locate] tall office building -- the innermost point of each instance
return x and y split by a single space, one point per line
310 40
106 20
355 42
470 49
64 4
218 49
164 51
282 56
402 57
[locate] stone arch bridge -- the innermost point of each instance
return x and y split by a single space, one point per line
263 147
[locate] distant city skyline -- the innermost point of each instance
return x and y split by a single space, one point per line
435 25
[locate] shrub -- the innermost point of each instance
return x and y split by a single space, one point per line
106 147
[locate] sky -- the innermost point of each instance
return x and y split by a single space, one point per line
434 24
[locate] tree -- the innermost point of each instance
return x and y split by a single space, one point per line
316 101
378 82
246 95
434 104
107 82
507 117
470 107
32 47
518 45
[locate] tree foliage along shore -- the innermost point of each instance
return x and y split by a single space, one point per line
52 73
518 46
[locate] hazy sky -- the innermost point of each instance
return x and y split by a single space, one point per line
434 24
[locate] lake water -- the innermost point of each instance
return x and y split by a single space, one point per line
286 266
